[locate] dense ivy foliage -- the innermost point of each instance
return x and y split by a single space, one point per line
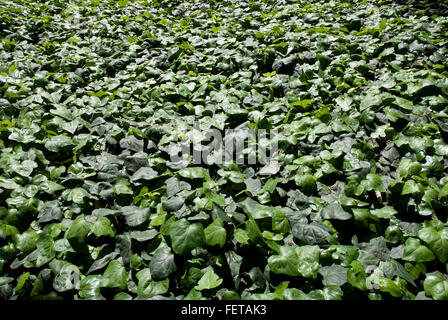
95 94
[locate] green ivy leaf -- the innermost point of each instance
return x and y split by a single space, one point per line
103 227
436 236
410 187
26 241
333 275
162 263
59 144
45 250
334 211
241 236
286 262
209 280
436 286
90 286
194 173
215 233
356 275
115 276
21 281
385 212
79 229
387 285
186 237
373 182
135 216
415 251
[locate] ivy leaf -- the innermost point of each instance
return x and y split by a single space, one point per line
66 279
135 216
356 275
233 176
444 191
45 250
102 262
436 286
143 236
209 280
308 257
103 227
436 236
79 229
59 144
256 210
373 182
310 233
215 233
194 173
393 268
51 211
90 286
385 212
144 173
122 296
334 211
410 187
407 167
162 263
387 285
115 276
415 251
148 288
26 241
78 232
286 262
241 236
333 275
186 237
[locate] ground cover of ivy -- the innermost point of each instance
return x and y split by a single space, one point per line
94 94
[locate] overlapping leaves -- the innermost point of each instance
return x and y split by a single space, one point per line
96 96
